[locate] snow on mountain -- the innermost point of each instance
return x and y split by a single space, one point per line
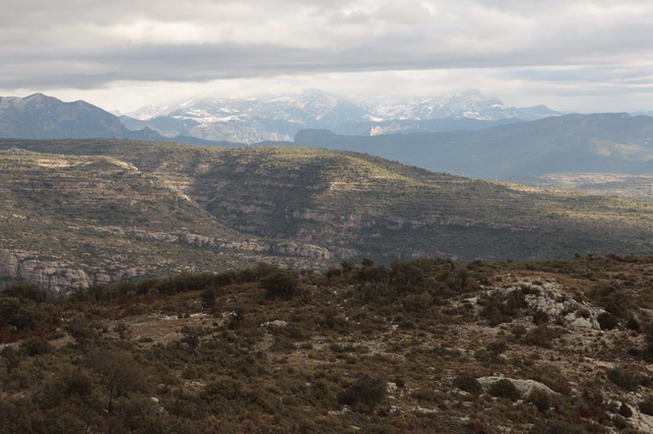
462 104
280 117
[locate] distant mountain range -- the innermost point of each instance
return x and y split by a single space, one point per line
617 143
493 145
281 117
39 116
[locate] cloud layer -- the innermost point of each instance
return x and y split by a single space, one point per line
569 47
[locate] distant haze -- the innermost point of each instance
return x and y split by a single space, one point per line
572 55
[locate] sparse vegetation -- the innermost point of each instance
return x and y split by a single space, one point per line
396 347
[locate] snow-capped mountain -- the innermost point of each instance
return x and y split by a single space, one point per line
281 117
462 104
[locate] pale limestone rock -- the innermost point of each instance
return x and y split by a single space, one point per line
525 387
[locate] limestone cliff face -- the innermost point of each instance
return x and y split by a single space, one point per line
55 276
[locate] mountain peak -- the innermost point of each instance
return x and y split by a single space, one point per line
39 97
39 116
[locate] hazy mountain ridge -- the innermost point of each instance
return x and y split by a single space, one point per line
608 142
40 116
281 117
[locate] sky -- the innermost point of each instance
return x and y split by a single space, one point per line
572 55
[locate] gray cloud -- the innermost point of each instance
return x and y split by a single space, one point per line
85 44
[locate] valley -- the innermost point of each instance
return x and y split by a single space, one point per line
146 208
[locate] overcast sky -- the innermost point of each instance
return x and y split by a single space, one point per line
573 55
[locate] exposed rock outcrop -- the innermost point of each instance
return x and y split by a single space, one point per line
52 275
525 387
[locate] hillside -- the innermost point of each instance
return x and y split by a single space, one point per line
75 220
637 187
356 205
424 346
616 143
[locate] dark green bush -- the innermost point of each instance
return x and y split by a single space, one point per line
625 410
35 346
628 378
281 284
468 384
208 296
25 292
499 308
367 390
540 399
646 406
504 389
607 321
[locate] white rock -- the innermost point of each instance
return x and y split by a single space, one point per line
525 387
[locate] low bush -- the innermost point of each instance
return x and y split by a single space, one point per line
540 399
504 389
646 406
607 321
369 391
468 384
281 284
627 378
36 346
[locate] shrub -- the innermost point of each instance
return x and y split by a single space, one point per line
607 321
649 339
36 346
619 422
646 406
25 293
367 390
118 372
281 284
84 334
123 330
541 336
633 324
628 379
540 399
468 384
625 411
500 308
540 317
20 313
496 349
209 296
504 389
192 336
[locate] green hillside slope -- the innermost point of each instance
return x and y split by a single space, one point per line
356 205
